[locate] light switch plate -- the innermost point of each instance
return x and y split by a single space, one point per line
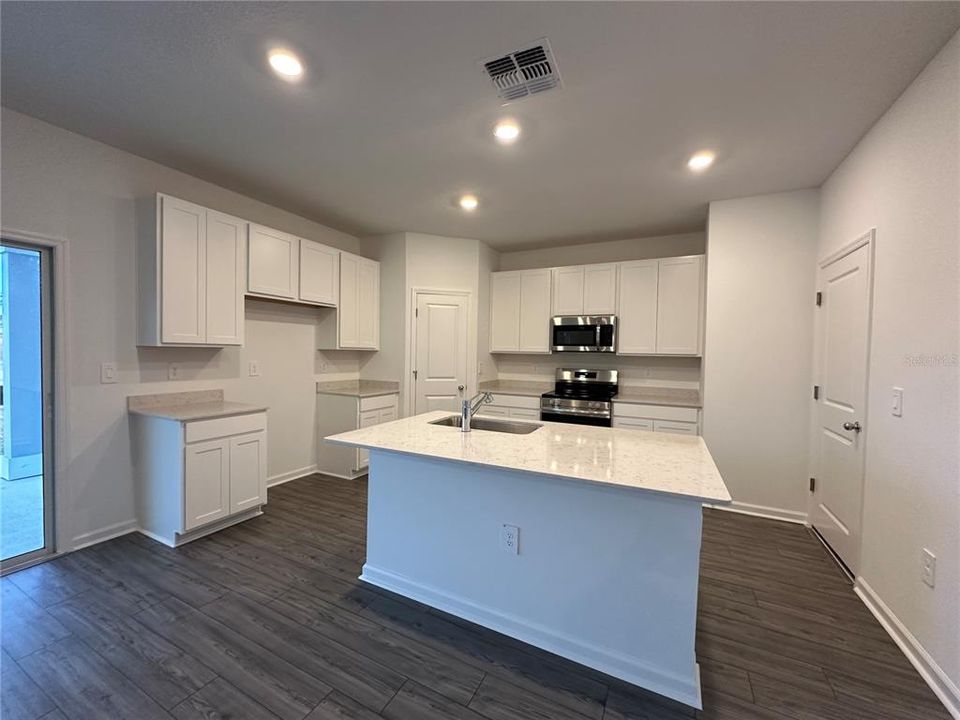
896 404
108 373
253 368
928 567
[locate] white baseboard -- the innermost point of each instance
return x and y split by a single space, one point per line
291 475
103 534
763 511
685 690
943 687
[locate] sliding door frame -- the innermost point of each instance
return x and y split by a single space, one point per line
53 275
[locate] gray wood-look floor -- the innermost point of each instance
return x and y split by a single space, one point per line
266 620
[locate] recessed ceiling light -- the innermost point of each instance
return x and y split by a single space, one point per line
469 202
701 160
285 64
506 131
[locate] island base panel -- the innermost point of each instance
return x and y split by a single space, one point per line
604 576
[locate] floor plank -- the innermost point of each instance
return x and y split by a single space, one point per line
266 620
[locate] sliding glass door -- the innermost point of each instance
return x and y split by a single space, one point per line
26 498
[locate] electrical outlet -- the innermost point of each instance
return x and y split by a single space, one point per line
108 373
253 368
896 404
928 567
510 539
174 371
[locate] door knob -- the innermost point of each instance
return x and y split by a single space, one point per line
854 426
460 388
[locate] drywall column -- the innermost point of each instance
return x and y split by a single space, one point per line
761 272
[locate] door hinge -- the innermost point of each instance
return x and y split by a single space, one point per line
816 392
819 299
813 484
414 374
416 312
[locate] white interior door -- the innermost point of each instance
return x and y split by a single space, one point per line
440 363
841 408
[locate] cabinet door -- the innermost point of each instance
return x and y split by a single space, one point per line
183 272
568 291
679 305
273 263
367 419
368 304
504 311
248 471
524 414
637 308
535 311
319 273
226 265
348 311
206 482
600 289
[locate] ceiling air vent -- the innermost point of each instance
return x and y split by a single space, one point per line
523 72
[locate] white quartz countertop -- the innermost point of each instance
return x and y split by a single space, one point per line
189 405
678 465
358 388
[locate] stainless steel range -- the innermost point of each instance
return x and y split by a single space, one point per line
580 396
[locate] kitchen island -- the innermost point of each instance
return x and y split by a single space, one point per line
583 541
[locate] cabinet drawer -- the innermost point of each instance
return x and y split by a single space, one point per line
376 403
517 401
222 427
524 414
388 415
633 423
678 428
655 412
494 411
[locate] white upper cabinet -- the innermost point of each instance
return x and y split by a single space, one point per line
520 302
680 306
535 311
356 324
226 278
660 307
191 264
637 308
319 273
568 291
585 290
273 263
600 289
505 312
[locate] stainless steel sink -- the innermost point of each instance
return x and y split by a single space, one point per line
482 423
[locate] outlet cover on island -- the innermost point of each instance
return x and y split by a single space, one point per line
896 405
510 539
253 368
108 373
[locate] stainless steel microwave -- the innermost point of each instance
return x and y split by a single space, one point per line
584 333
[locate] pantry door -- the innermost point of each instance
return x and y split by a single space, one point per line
843 326
440 327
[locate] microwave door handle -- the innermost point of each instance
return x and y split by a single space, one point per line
598 335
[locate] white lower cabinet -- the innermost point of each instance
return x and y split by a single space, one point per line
656 418
340 413
195 477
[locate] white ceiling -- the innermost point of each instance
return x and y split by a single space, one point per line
393 120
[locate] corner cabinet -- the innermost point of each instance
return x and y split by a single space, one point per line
341 413
660 307
356 324
196 477
520 311
191 266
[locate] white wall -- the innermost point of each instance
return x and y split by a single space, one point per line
903 179
761 258
600 252
391 251
60 184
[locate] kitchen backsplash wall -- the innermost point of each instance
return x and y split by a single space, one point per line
652 371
